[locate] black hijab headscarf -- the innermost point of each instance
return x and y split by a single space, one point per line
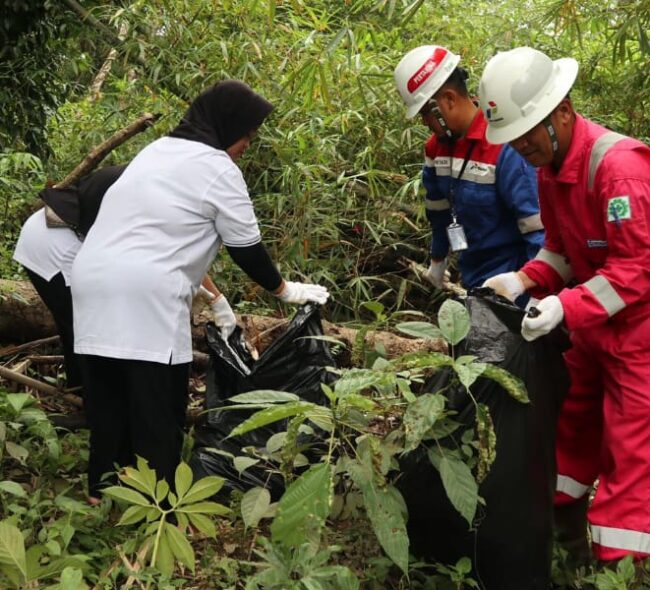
223 114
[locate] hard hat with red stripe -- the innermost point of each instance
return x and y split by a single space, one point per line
421 73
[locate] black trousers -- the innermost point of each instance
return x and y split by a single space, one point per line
58 299
133 408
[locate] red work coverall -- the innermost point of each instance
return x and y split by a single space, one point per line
600 238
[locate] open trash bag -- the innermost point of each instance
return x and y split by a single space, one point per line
510 542
296 362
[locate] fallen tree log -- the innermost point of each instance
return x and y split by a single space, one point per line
24 317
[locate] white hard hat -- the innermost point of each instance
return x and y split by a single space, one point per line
421 73
520 88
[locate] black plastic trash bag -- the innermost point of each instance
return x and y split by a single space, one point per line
295 362
510 543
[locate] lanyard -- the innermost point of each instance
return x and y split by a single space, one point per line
453 182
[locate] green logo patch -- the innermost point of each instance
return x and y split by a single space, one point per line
618 208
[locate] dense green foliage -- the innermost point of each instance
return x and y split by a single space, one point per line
335 172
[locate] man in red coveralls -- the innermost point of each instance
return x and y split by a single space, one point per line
594 188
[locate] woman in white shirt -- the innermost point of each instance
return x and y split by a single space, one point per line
47 253
143 260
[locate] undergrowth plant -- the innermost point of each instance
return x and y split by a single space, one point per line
374 417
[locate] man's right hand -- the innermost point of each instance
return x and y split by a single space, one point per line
506 284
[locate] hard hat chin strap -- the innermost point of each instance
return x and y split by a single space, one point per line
551 133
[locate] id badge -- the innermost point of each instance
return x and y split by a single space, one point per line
457 238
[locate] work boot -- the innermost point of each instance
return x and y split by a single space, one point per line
571 531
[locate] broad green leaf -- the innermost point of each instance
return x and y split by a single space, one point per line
358 401
270 415
487 441
12 549
254 506
204 508
13 488
460 486
164 558
72 579
182 479
356 380
418 360
264 396
468 373
180 546
243 463
162 489
203 524
275 442
142 478
513 385
386 510
18 401
453 320
133 514
303 506
420 330
16 451
420 416
127 495
202 489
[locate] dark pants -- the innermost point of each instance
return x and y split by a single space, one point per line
133 408
58 299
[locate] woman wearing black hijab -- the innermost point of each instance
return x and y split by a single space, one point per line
142 262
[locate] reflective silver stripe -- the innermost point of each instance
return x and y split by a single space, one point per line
621 539
557 262
478 172
606 295
437 205
571 487
530 223
598 151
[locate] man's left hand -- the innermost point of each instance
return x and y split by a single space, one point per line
551 314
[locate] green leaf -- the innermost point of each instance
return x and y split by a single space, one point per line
204 508
420 416
264 396
303 507
18 401
143 480
357 380
127 495
16 451
203 524
243 463
133 514
202 489
183 479
162 489
254 506
420 330
72 579
513 385
468 373
454 321
164 558
180 546
270 415
12 550
13 488
460 486
385 508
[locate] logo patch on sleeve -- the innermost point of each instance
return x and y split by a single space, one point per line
618 208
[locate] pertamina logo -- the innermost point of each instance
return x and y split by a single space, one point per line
426 70
492 112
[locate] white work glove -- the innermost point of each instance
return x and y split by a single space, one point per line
551 314
223 315
302 292
437 273
506 284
